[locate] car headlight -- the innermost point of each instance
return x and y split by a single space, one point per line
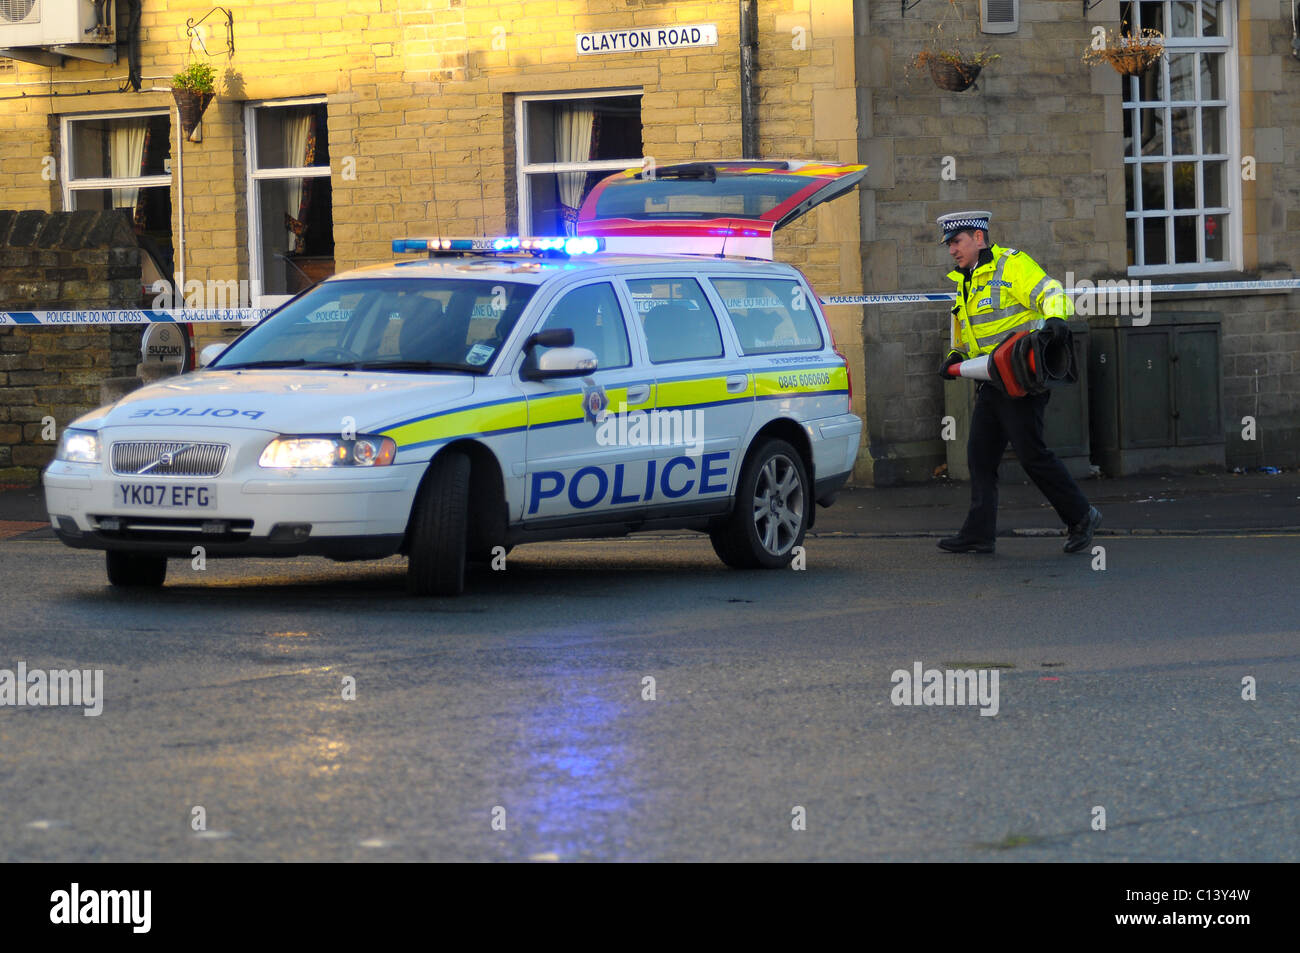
362 451
79 446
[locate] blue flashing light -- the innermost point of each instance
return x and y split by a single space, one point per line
544 246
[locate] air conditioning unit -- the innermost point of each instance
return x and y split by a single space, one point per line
996 16
44 31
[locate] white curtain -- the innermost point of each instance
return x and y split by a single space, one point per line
126 156
297 126
573 124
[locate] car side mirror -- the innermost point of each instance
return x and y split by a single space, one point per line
555 337
210 353
560 362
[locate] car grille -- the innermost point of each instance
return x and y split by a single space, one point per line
188 458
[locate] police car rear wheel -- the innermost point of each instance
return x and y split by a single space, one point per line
134 569
771 511
436 564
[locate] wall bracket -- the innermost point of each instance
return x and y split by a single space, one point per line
192 25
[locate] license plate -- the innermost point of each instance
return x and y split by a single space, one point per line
186 496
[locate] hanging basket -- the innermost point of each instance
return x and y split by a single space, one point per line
1129 55
191 105
1134 62
954 77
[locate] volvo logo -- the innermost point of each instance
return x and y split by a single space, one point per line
165 459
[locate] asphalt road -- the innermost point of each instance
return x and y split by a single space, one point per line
1119 688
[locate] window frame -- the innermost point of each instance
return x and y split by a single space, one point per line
524 168
726 333
821 346
548 309
1231 210
253 176
70 185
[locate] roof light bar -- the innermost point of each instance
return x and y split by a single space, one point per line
541 246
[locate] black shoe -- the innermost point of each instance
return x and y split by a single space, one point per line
960 544
1081 533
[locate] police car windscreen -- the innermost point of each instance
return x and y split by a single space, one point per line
739 196
387 324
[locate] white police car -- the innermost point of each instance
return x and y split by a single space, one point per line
496 392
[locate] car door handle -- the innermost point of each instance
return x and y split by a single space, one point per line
638 394
737 383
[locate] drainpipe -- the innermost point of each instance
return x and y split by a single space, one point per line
179 276
749 79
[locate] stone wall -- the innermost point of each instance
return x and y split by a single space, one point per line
63 261
1261 377
1039 142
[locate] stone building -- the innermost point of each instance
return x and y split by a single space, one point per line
339 126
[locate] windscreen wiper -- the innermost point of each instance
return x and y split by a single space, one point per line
282 362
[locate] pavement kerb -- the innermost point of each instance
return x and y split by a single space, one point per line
1059 533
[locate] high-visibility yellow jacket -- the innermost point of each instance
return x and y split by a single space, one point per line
1006 292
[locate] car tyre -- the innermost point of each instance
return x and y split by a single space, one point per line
439 521
135 569
771 512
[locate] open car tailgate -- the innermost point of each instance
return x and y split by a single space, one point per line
726 207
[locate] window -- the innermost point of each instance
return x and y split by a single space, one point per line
744 196
290 220
771 316
1180 126
457 322
593 313
566 145
123 161
678 322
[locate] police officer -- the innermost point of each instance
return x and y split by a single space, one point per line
1001 291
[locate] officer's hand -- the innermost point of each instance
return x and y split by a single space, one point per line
954 357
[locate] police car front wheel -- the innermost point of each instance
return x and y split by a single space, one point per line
771 512
135 569
439 520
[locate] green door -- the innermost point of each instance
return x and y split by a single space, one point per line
1147 394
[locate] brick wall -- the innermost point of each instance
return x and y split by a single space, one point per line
68 260
421 96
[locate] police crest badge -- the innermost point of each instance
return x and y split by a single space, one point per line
595 403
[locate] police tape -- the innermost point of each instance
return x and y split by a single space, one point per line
1118 286
195 316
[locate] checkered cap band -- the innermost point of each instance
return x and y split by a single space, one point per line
955 222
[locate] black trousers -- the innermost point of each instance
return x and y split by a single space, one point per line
996 420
